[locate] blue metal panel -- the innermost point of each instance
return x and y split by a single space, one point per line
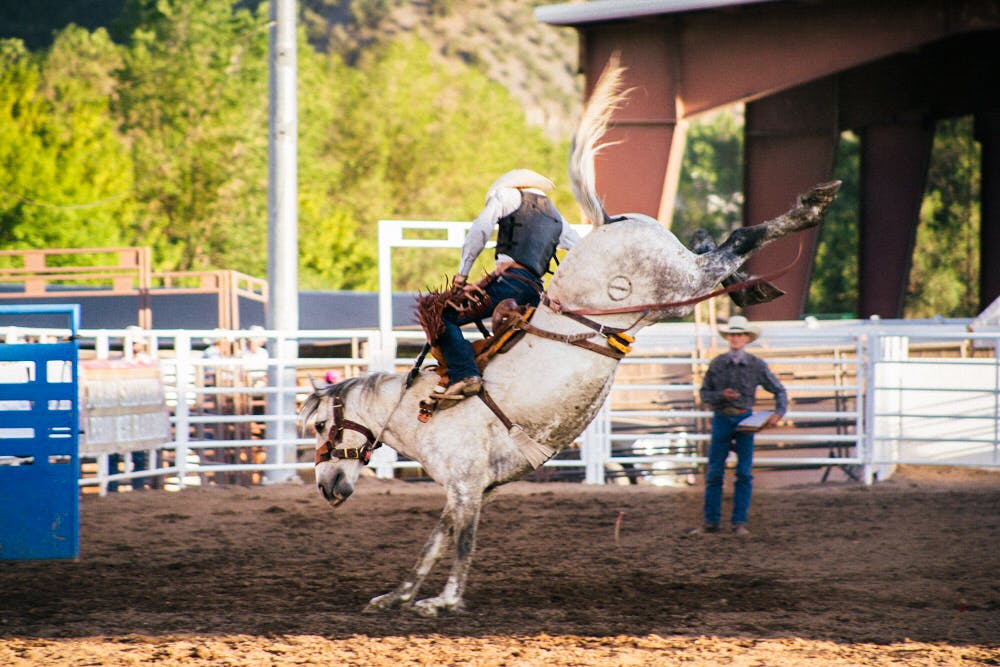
39 430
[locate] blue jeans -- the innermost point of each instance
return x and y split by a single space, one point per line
724 438
456 350
140 461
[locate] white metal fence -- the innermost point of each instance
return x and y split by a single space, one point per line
865 396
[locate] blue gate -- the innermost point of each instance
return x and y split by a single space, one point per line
39 428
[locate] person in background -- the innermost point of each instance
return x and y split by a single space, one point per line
137 349
730 388
530 229
255 356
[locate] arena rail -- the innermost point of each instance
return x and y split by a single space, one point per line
866 396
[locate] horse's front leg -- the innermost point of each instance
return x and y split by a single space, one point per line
466 521
407 590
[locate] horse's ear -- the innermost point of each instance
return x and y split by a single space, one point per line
316 385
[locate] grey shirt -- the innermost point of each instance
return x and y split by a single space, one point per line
743 372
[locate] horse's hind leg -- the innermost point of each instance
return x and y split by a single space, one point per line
807 212
757 292
404 593
719 263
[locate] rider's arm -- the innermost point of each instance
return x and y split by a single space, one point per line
568 237
503 201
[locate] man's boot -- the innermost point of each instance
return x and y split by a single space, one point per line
458 391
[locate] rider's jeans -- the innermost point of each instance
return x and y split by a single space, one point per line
726 437
456 350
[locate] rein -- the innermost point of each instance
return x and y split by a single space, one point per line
335 435
663 305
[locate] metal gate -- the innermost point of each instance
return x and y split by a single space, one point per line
39 427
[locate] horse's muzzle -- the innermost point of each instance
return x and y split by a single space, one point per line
337 489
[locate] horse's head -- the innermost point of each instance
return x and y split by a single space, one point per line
342 447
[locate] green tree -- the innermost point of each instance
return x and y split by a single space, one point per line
193 102
944 278
418 139
67 175
710 190
332 254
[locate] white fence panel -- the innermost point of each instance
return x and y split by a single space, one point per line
920 410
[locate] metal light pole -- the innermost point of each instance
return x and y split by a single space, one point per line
282 226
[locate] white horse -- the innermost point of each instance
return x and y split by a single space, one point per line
628 273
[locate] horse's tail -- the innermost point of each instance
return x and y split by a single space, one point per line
605 99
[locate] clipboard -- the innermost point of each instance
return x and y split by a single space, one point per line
754 422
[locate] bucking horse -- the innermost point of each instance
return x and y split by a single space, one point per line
540 394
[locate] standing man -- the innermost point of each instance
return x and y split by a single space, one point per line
730 387
530 231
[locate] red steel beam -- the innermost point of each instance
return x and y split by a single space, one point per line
806 70
733 57
988 134
639 171
894 160
790 142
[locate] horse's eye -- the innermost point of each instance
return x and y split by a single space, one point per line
320 426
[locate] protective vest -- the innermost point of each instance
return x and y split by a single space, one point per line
530 234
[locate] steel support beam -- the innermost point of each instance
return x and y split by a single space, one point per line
988 134
736 56
639 172
790 142
894 160
805 71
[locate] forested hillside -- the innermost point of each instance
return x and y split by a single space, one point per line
154 132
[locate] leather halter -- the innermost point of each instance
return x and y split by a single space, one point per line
335 435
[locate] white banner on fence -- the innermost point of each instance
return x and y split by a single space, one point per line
122 407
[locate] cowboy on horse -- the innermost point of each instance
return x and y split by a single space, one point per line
530 231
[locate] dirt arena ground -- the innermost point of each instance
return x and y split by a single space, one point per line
904 573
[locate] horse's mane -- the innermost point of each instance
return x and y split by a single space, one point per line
367 384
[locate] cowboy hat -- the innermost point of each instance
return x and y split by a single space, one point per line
739 325
520 178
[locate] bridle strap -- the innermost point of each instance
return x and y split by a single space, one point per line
579 316
335 435
648 307
579 340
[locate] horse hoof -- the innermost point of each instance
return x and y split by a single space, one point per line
435 607
382 603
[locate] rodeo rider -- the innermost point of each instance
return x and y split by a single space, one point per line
530 231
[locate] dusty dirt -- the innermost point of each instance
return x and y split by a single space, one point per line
904 573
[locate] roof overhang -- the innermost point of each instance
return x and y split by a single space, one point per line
598 11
